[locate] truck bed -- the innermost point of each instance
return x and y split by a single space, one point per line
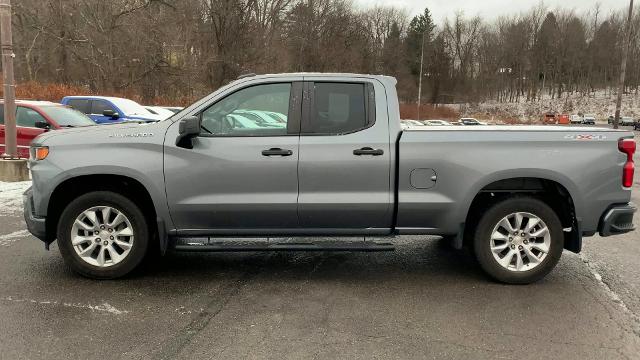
466 159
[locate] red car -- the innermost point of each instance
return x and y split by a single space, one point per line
35 117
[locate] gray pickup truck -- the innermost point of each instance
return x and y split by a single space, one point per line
320 162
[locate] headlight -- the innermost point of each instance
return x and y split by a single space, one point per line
38 152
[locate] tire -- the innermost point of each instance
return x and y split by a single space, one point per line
525 260
122 252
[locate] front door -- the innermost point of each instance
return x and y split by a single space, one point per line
241 174
345 158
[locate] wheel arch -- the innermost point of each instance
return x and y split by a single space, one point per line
558 191
130 186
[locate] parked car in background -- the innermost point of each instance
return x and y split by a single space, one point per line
575 119
106 109
470 121
436 122
626 121
589 119
412 123
277 116
173 109
35 117
160 111
636 125
262 118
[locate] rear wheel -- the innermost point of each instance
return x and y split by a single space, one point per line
519 240
102 235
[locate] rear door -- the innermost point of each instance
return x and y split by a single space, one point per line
344 166
240 176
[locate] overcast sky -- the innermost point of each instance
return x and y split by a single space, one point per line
491 9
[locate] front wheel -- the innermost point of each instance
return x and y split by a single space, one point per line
519 240
102 235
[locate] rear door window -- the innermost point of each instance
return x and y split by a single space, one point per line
339 108
1 114
82 105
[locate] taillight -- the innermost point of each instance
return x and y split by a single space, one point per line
627 146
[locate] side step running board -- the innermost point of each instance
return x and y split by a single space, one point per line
234 246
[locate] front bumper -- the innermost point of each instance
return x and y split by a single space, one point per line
35 225
617 220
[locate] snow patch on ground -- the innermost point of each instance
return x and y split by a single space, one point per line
11 196
6 240
104 307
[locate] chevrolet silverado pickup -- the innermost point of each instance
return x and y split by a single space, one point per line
340 174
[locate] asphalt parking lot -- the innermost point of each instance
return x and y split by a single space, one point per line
421 301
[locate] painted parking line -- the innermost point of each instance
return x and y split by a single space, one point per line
104 307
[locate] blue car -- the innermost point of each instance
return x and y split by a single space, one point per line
105 109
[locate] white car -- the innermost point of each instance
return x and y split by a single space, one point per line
470 121
627 121
436 122
575 119
412 123
262 118
173 109
241 122
160 111
589 119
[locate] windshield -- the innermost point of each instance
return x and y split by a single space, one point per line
130 107
65 116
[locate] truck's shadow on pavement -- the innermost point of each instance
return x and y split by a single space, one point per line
428 258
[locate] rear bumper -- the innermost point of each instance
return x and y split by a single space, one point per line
35 225
617 220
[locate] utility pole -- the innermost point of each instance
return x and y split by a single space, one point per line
6 43
420 79
623 65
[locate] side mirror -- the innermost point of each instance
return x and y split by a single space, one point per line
110 113
43 125
188 128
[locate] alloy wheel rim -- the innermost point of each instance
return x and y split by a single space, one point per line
102 236
520 241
